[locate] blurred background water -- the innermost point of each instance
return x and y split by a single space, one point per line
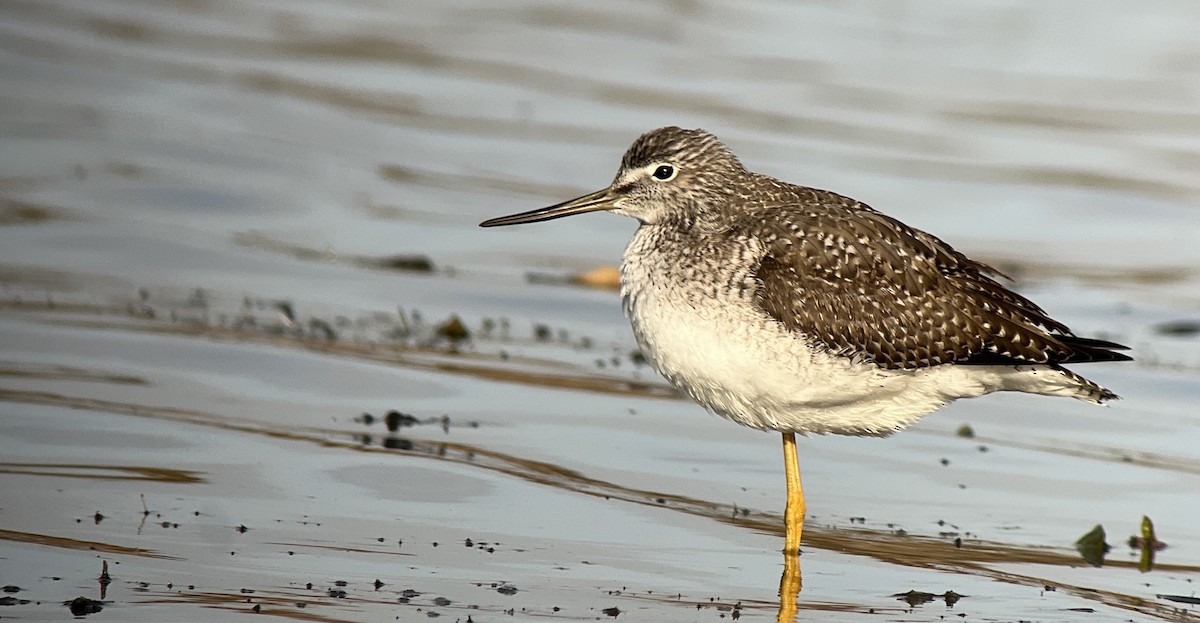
188 154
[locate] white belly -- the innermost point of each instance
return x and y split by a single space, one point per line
744 366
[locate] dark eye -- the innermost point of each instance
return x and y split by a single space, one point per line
664 172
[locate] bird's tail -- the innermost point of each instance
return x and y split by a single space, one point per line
1086 389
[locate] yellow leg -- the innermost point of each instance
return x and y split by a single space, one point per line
789 581
794 514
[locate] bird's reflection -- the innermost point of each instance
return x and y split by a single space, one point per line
789 587
104 580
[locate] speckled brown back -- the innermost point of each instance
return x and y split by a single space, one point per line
863 284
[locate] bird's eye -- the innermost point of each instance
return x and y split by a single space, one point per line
664 172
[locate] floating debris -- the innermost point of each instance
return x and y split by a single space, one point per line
453 329
82 606
1178 327
1180 599
916 598
604 278
13 212
1148 544
394 420
318 328
1092 546
965 431
286 310
406 263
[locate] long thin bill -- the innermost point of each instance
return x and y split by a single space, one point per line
592 202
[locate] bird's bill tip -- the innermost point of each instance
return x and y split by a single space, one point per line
600 200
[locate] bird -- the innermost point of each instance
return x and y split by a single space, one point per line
798 310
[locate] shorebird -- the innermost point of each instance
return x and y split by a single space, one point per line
798 310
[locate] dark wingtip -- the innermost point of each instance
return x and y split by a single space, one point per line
1087 350
1079 350
1095 343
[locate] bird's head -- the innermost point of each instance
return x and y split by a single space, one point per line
667 174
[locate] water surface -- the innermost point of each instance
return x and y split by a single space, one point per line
215 219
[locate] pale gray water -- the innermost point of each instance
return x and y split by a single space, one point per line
264 149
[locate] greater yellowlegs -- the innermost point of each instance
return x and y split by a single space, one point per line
799 310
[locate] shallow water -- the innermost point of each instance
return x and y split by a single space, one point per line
200 202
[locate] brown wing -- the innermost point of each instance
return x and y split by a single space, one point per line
863 284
